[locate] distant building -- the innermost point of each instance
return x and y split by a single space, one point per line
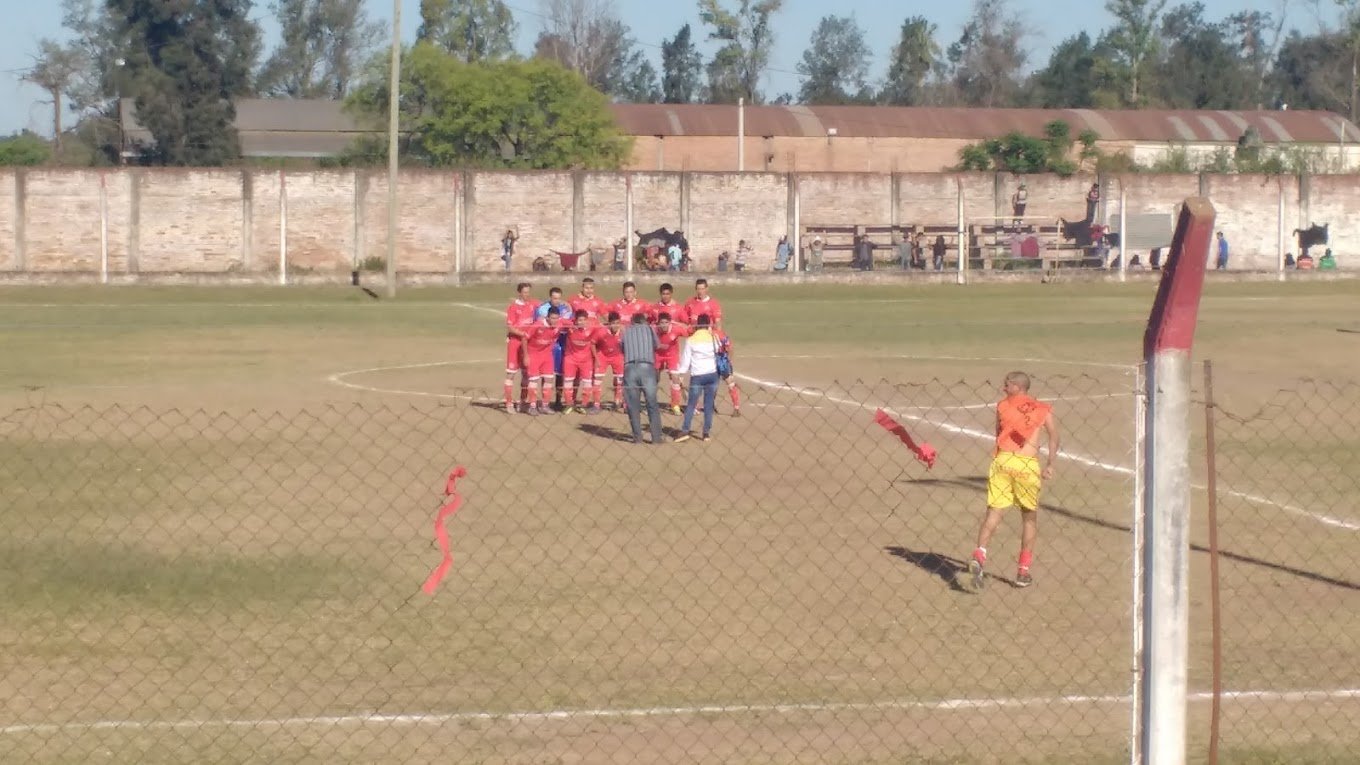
839 138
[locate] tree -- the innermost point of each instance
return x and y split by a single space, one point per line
1132 39
23 149
587 37
55 70
836 63
912 59
469 30
1202 67
185 60
681 66
324 42
746 39
531 114
1079 75
1313 72
988 56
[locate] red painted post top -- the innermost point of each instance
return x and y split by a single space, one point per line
1175 312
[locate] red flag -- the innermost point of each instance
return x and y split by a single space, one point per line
924 452
441 532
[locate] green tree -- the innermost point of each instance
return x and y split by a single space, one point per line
55 70
531 114
184 61
322 47
1312 72
23 149
1133 40
746 38
989 55
681 68
1202 67
836 64
469 30
913 56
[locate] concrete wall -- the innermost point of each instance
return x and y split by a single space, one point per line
229 221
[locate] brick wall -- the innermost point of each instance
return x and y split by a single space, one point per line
214 221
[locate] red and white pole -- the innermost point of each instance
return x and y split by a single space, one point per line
1164 659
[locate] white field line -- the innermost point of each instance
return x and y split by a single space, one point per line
339 378
1326 520
443 718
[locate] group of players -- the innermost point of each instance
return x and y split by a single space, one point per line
571 345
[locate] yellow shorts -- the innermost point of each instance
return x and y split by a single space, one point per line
1013 480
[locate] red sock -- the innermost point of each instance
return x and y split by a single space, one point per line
533 393
599 389
569 395
736 397
509 393
980 555
675 394
618 394
1026 558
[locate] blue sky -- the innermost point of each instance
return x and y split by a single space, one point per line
27 21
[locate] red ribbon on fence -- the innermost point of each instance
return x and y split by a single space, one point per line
441 532
924 452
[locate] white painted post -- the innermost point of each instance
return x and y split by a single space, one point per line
963 244
796 239
741 135
283 228
1123 233
393 127
103 229
1279 230
628 222
1139 461
1166 531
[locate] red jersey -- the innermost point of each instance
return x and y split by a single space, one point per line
672 309
627 311
593 306
543 337
668 342
694 308
579 342
520 315
607 343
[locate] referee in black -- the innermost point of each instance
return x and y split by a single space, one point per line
639 377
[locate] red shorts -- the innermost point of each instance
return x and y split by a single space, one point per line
573 367
608 363
514 354
667 362
541 364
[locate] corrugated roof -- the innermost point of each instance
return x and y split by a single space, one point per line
278 127
972 124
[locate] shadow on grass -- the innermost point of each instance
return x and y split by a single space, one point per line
980 483
602 431
946 568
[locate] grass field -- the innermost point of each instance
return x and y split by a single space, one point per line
217 509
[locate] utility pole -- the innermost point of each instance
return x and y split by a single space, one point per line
393 102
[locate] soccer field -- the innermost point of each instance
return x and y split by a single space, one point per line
218 509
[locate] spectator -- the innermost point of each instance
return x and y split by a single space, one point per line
1018 201
1222 262
723 258
864 254
1092 201
1327 262
1305 262
1289 260
674 256
918 251
620 253
743 252
782 253
508 246
938 252
903 250
815 254
699 360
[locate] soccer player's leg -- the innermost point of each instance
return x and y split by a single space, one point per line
1000 497
513 365
616 369
557 355
734 392
1027 480
570 371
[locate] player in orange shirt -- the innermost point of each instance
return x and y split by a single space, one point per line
578 362
587 301
541 340
1014 477
668 337
703 303
630 304
669 305
609 357
519 316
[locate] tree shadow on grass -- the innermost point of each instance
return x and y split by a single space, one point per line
980 482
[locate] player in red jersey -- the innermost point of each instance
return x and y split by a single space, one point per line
609 357
703 304
629 305
668 304
578 363
519 316
668 337
587 301
725 345
540 342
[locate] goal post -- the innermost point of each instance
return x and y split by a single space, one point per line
1165 523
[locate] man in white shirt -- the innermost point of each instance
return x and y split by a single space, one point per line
699 360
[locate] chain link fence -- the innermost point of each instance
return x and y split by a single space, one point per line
244 586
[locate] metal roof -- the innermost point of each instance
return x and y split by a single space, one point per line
1143 125
317 128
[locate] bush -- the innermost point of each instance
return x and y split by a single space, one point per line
373 264
23 149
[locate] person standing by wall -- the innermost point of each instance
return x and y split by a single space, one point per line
1018 202
815 252
699 360
508 246
782 253
639 377
1222 261
938 251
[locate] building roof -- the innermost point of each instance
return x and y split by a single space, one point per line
318 128
1159 126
